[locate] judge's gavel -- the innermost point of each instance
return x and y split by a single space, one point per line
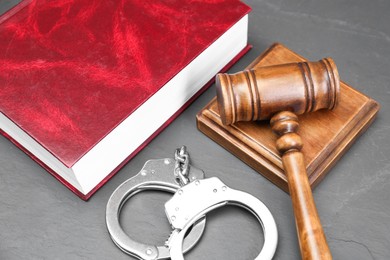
281 92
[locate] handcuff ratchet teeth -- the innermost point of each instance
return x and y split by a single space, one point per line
155 175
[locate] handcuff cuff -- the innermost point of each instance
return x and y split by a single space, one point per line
193 198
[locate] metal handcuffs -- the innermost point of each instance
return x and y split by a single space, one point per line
155 175
194 197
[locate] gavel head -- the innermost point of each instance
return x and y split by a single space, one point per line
260 93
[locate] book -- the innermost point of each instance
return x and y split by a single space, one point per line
255 143
86 84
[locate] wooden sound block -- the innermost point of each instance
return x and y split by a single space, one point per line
326 134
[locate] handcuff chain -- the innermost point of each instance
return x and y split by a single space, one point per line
182 165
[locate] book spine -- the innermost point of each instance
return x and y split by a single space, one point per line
16 8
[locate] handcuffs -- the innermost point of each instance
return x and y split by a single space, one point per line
193 198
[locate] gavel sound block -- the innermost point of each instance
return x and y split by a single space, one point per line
326 134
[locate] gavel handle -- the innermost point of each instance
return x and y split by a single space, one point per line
311 236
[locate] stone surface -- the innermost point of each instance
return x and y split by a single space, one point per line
41 219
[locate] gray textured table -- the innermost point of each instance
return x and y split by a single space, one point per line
41 219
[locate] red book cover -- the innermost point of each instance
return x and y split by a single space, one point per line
85 84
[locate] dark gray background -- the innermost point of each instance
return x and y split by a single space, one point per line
41 219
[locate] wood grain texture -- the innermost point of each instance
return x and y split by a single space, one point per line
254 142
259 93
281 92
311 236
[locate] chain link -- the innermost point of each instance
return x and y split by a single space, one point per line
182 165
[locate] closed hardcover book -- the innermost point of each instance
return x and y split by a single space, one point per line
86 84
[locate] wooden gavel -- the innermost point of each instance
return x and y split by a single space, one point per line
281 92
